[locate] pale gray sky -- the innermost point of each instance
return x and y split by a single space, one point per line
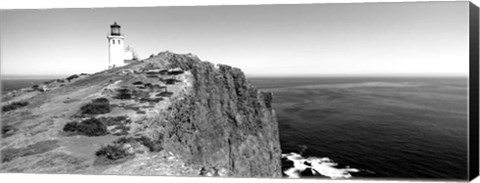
263 40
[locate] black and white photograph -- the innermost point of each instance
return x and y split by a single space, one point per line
360 91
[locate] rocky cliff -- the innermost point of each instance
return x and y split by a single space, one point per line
170 114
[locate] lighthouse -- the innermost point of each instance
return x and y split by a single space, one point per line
116 48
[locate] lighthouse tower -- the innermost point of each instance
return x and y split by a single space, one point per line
116 48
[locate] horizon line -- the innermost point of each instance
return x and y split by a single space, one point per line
58 76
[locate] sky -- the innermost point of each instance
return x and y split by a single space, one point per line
263 40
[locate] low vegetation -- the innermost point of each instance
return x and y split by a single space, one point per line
7 131
88 127
120 123
111 154
164 94
152 76
117 120
70 78
92 127
49 82
14 106
10 154
99 126
152 145
151 100
123 94
97 106
138 83
175 72
170 81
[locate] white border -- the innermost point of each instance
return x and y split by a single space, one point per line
47 4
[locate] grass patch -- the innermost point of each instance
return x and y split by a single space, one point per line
97 106
14 106
40 147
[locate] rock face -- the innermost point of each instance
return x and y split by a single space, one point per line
180 116
224 123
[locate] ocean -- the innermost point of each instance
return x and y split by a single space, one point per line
9 85
389 128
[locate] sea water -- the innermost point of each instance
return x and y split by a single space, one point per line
401 127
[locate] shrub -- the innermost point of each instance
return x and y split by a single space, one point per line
152 73
152 76
150 100
14 106
98 126
123 94
170 81
153 146
148 85
7 131
175 72
70 127
124 140
69 78
111 154
163 72
97 106
48 82
100 100
92 127
138 83
164 94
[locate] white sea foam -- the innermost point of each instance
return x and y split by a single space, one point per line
322 166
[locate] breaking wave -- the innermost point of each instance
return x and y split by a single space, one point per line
315 166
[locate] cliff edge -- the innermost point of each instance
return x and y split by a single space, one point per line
170 114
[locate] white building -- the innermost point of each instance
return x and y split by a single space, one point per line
117 53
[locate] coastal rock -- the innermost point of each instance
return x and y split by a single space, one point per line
225 123
170 114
